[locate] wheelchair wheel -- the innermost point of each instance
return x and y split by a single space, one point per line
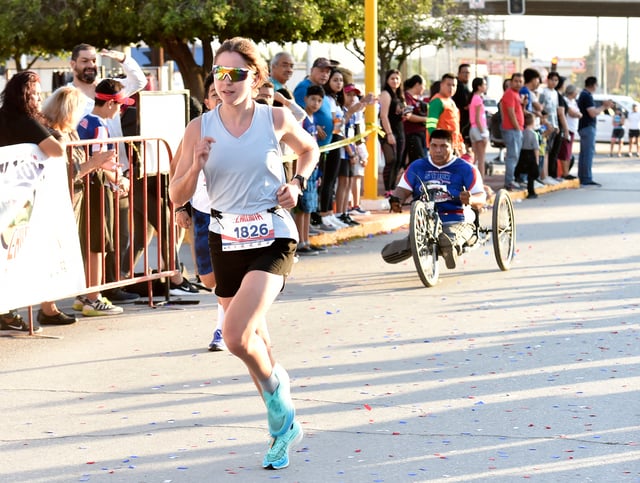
424 246
503 230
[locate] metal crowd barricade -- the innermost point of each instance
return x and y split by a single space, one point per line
142 152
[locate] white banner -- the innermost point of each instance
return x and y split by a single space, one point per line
40 256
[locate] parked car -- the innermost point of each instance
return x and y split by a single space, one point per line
490 106
604 124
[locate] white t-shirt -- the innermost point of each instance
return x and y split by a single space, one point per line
549 99
572 122
633 121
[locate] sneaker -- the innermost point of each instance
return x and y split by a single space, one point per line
356 210
323 227
79 303
591 183
305 250
549 181
397 251
182 288
313 230
315 218
318 248
570 177
345 218
121 296
328 221
217 343
513 186
335 221
538 184
59 319
277 456
12 320
448 253
100 306
280 410
339 219
532 196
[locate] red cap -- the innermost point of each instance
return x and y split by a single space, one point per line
119 98
352 88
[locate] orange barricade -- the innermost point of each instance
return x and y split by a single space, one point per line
146 181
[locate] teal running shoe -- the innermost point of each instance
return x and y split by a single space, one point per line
277 456
280 410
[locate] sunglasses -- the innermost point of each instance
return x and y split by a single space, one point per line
235 74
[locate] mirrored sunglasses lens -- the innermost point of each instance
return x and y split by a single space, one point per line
234 74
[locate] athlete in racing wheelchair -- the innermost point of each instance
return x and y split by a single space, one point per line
454 183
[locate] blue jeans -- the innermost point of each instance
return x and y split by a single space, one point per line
513 141
587 151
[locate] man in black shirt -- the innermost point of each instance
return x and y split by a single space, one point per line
462 97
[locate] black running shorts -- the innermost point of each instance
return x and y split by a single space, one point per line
230 267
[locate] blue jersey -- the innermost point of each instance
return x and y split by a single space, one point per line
310 126
451 179
93 127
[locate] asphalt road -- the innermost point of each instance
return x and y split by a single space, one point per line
489 376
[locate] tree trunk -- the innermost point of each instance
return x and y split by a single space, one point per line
192 73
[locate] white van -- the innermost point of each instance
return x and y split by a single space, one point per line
604 125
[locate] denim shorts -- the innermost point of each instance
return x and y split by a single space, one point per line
308 202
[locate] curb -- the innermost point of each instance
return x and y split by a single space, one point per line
381 221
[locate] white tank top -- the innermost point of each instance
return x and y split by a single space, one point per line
200 200
243 174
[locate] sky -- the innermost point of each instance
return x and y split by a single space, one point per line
568 37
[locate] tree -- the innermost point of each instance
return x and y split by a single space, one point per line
614 59
177 27
39 28
405 26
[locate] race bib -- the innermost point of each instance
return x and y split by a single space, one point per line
242 232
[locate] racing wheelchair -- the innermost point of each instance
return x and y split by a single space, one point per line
425 226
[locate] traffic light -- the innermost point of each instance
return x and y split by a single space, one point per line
516 7
554 64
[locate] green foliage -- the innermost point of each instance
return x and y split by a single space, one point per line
405 26
614 58
41 27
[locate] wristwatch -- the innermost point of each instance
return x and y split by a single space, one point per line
302 180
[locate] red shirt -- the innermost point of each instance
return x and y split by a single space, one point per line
511 98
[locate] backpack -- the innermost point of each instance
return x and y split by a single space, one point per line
495 132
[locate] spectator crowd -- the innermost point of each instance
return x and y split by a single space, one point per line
536 126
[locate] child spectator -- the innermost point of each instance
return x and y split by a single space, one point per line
108 99
544 131
357 178
528 161
350 158
308 202
618 131
265 94
354 126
